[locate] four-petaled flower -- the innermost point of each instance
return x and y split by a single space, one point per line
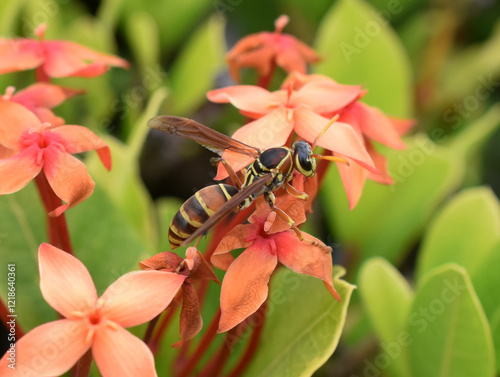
245 284
263 50
92 322
33 146
193 267
54 58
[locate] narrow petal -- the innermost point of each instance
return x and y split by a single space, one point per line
68 177
290 59
17 171
46 115
165 260
272 130
326 97
245 286
353 177
19 54
202 269
14 119
234 239
65 59
340 137
191 321
381 164
402 126
48 350
139 296
81 139
44 95
64 281
119 353
305 258
244 97
260 58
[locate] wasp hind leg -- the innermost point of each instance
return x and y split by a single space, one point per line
295 193
230 171
287 219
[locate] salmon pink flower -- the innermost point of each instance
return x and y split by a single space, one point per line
245 285
91 322
264 50
54 58
40 98
283 111
33 146
193 267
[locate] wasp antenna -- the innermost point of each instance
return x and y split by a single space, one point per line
331 158
333 120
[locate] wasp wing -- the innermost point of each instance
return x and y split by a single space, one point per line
210 139
229 206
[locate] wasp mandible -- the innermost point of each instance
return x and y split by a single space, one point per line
271 169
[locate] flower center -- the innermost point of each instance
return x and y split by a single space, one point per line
41 139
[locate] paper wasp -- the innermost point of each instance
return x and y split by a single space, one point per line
271 169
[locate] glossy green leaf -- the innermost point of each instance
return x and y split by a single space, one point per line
448 328
303 326
359 47
387 298
464 232
388 219
194 71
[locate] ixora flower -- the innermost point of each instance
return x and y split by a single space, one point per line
245 285
193 267
263 50
91 322
283 111
370 124
33 146
54 58
40 98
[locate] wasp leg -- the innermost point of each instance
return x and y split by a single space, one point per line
230 171
287 219
295 193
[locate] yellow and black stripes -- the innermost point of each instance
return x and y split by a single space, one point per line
197 210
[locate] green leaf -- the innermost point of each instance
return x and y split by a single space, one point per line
464 232
194 71
142 34
9 13
303 326
361 48
388 219
387 298
449 333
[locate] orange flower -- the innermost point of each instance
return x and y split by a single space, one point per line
55 58
245 285
91 322
40 98
32 146
283 111
263 50
193 267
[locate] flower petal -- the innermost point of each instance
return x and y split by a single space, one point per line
245 286
48 350
64 59
244 97
44 95
68 177
119 353
353 177
14 119
191 321
124 300
17 171
165 260
381 164
402 126
234 239
272 130
19 54
6 153
64 281
340 137
325 97
201 269
305 258
81 139
46 115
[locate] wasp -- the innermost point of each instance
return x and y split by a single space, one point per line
272 168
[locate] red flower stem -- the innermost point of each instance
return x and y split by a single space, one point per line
156 338
151 326
57 226
205 342
82 367
41 76
265 81
4 315
253 343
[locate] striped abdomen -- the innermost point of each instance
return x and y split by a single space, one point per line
196 210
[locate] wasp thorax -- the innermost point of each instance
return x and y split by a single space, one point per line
302 158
